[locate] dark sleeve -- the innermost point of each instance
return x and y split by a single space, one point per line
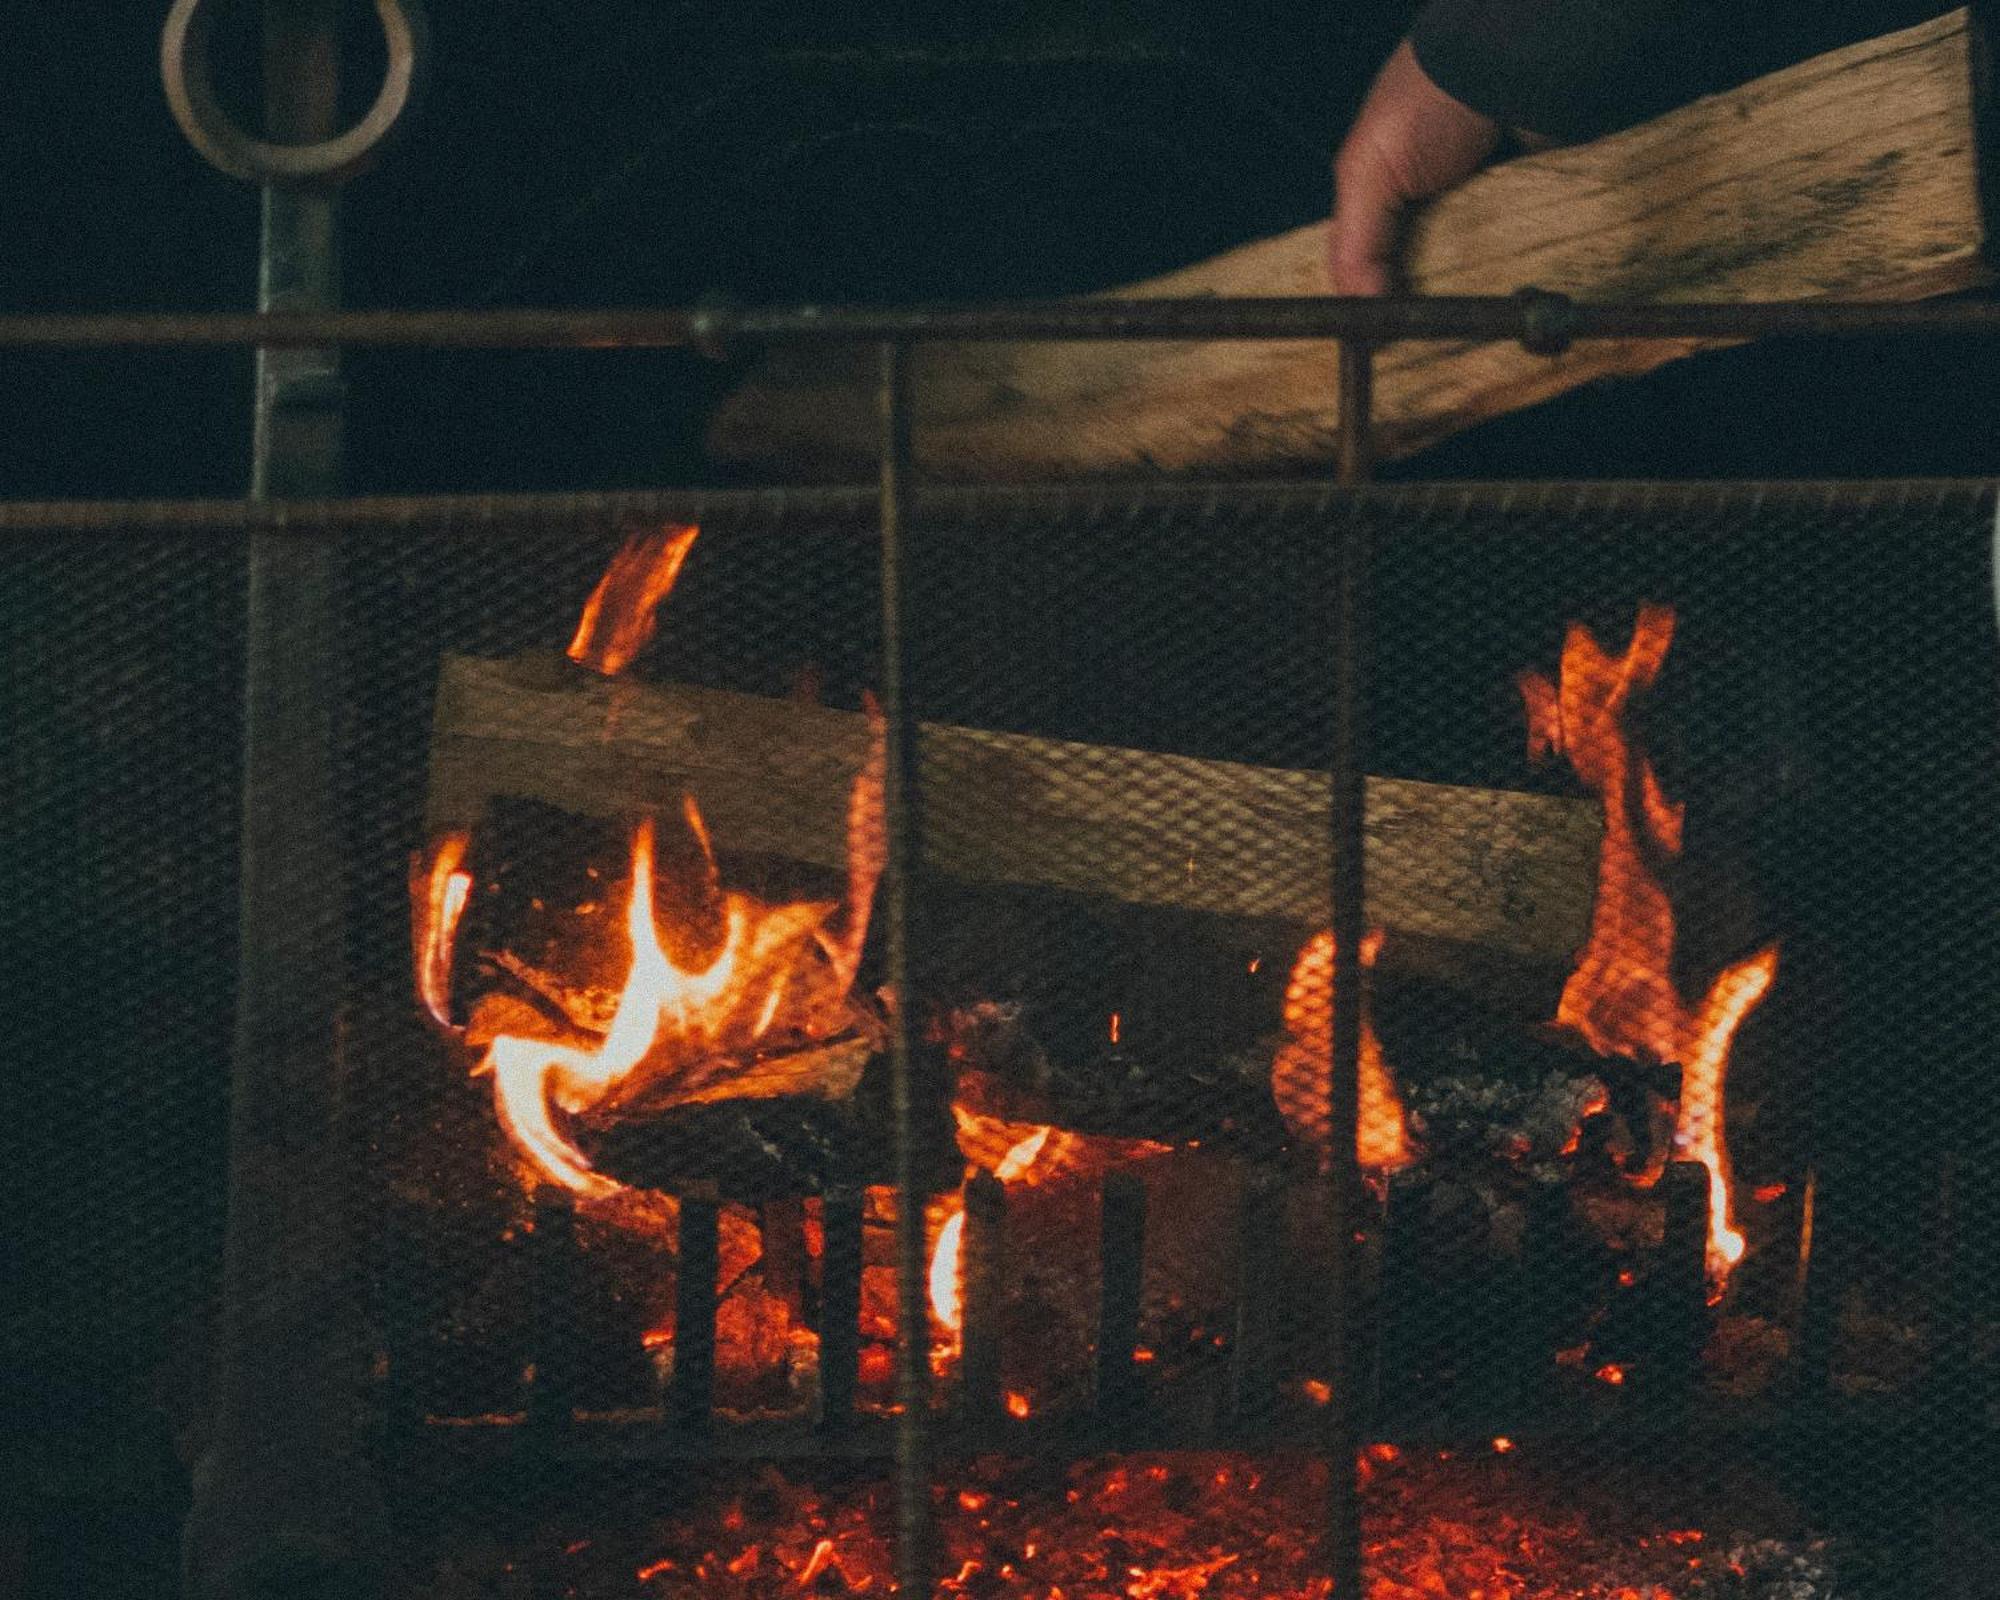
1574 69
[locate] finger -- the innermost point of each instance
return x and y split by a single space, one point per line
1361 238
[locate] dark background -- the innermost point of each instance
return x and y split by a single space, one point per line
615 153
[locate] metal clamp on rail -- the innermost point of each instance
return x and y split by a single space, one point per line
324 163
1548 321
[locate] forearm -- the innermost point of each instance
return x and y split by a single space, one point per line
1574 69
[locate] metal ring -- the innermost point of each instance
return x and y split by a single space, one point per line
210 129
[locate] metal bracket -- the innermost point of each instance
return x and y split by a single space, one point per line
325 162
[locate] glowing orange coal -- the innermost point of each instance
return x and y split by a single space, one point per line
1621 997
619 617
1301 1076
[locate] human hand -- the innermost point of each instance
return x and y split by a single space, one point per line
1409 141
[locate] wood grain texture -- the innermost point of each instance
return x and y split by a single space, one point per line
1473 866
1849 175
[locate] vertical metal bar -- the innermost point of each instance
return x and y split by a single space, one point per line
552 1318
839 1307
691 1402
1531 1357
409 1307
782 1226
282 1473
1253 1362
1680 1298
915 1542
985 1274
1348 799
1403 1303
1121 1285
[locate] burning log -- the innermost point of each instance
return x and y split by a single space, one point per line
1849 176
1479 867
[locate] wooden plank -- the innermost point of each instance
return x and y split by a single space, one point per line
1850 175
1473 866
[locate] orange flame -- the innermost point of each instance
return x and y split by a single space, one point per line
713 975
781 972
439 889
1621 997
619 616
1301 1075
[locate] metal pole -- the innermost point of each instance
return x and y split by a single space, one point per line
915 1542
283 1501
1348 801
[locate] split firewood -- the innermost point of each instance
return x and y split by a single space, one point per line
1480 867
1850 176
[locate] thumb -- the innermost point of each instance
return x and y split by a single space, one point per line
1361 238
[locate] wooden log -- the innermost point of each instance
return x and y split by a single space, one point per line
1849 175
1474 866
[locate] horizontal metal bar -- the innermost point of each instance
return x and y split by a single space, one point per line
1545 321
778 510
628 1438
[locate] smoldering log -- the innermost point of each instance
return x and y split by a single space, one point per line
1479 867
1848 176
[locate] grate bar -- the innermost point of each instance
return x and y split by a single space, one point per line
691 1402
1122 1259
901 800
985 1274
840 1309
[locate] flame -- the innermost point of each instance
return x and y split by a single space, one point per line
715 979
439 889
1621 997
1301 1074
948 1254
779 973
619 616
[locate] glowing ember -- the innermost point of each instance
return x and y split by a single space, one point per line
619 616
1302 1073
1621 998
439 888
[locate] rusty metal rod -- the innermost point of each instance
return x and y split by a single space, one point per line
1347 765
1253 1364
839 1308
1546 321
1679 1319
691 1400
552 1395
915 1541
984 1277
1121 1283
754 510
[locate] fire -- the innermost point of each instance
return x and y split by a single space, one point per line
619 616
780 975
1300 1076
1621 998
716 980
439 889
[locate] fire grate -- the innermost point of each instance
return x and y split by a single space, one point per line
1136 642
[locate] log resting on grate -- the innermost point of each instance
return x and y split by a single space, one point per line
1492 869
1847 176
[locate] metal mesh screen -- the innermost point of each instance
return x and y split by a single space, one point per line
1125 706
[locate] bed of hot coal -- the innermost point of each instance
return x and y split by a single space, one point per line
1479 1525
